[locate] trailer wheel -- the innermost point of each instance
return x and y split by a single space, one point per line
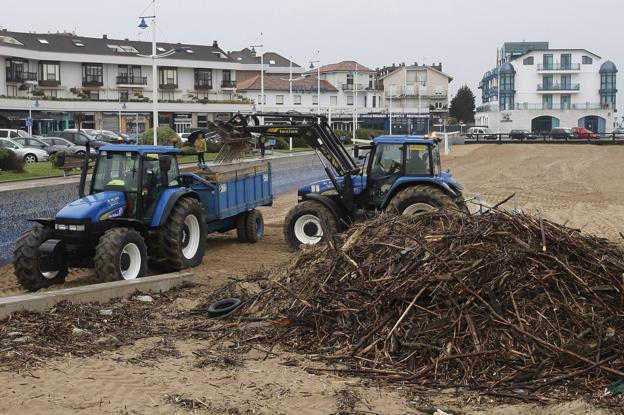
418 199
309 223
241 230
184 235
254 226
121 254
26 261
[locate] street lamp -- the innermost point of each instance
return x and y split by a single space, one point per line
318 83
390 107
253 50
154 56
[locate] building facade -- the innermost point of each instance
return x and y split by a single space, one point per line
538 88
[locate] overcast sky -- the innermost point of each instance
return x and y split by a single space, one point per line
462 34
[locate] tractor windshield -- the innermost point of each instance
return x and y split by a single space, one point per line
116 171
417 161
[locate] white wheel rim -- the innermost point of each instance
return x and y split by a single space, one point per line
303 226
418 208
193 235
30 159
134 267
49 274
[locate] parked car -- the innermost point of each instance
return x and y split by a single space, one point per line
32 142
584 133
561 133
522 135
9 133
79 138
29 155
184 137
60 145
618 132
481 132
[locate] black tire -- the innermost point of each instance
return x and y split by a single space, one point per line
418 199
30 158
114 255
176 235
26 261
254 226
241 231
223 307
309 208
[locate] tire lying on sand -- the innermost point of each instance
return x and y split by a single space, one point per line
26 261
121 254
309 223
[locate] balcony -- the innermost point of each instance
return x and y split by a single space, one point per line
559 67
168 84
352 87
228 84
49 82
558 87
20 76
203 85
131 80
92 80
526 106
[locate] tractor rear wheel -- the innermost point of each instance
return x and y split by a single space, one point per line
184 235
26 261
121 254
309 223
418 199
254 226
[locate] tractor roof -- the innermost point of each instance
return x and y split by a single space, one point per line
401 139
141 149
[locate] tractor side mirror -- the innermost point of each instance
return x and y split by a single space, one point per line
164 163
356 151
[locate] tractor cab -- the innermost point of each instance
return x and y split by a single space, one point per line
137 176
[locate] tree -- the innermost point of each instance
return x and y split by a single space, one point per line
463 105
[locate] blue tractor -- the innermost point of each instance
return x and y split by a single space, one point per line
139 206
401 174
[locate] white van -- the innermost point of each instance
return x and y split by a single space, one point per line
481 132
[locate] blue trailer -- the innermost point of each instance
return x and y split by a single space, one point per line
140 207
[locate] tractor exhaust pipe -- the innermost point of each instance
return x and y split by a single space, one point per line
85 169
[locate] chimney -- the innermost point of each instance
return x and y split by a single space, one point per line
104 36
215 44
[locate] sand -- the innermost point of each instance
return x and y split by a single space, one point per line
577 185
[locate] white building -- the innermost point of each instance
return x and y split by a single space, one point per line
56 75
538 88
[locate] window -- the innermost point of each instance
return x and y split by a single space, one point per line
566 61
123 48
279 100
12 90
565 101
349 99
547 82
123 96
203 78
417 160
566 81
607 81
167 95
587 60
271 62
43 41
260 100
168 77
51 92
528 61
10 40
350 79
333 100
315 99
227 75
547 102
548 61
370 81
94 95
374 101
92 73
49 71
202 121
78 42
297 99
160 49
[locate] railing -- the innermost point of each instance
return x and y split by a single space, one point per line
558 87
49 82
352 87
228 84
131 80
92 80
20 76
559 67
201 84
168 84
519 106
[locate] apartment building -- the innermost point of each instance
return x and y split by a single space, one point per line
109 81
538 88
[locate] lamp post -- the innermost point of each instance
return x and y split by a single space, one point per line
355 88
390 107
253 50
318 83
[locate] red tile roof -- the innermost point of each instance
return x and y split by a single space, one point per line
344 66
276 82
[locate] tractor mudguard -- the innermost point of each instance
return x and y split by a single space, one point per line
129 223
402 183
332 205
166 203
46 223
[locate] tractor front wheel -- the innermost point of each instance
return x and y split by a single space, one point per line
121 254
418 199
26 261
184 235
309 223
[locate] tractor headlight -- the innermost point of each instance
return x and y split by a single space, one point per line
63 227
60 227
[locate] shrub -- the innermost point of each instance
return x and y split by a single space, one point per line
365 133
164 136
299 142
10 162
186 150
281 143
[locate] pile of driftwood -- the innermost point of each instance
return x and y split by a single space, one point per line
500 300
